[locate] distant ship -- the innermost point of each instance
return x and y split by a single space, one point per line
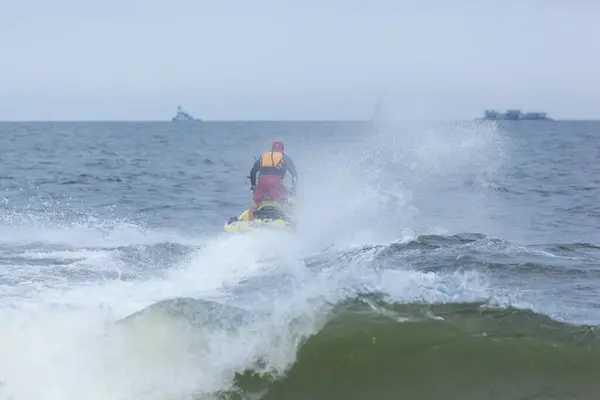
182 115
516 115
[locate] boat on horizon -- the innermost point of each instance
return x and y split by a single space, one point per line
183 115
515 115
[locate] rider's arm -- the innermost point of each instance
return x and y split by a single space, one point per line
292 168
254 171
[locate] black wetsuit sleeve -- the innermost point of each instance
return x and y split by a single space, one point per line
289 163
254 171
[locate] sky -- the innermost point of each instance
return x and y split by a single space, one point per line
298 60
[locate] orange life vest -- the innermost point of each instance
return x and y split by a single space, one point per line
271 163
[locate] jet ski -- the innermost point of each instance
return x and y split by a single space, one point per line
269 215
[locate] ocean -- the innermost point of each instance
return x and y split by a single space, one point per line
432 260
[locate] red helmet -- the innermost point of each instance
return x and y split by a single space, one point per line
277 146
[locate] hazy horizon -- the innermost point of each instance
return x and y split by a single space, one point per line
310 61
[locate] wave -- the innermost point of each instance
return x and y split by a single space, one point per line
440 352
369 347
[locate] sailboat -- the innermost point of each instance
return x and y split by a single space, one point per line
377 117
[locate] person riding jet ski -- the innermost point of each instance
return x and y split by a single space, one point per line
271 167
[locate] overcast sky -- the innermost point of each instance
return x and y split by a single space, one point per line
307 59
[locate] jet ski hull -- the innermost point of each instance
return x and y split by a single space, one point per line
259 223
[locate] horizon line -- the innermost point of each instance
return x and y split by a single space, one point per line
279 120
